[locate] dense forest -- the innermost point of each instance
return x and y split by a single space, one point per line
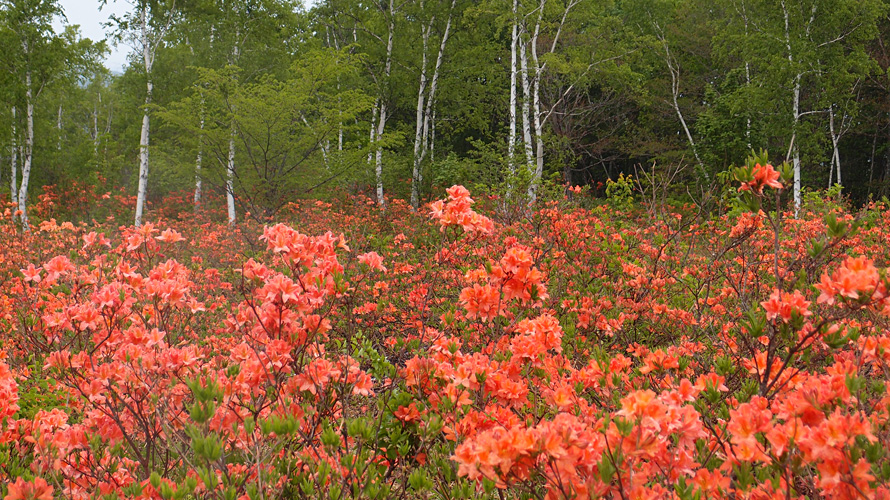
256 103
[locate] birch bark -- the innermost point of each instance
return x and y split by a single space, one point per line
59 130
230 176
526 105
747 83
538 168
95 131
419 114
381 119
429 118
373 129
425 110
674 70
795 103
147 57
28 152
199 159
514 40
539 117
230 161
14 164
836 133
795 115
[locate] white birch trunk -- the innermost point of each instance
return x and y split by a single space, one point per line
539 117
59 130
381 119
795 150
795 113
796 102
378 155
147 56
430 113
675 93
747 84
198 186
425 111
199 160
27 153
674 70
748 119
419 117
511 141
14 165
325 148
230 161
836 155
536 109
143 163
230 177
688 132
372 135
433 136
95 131
526 105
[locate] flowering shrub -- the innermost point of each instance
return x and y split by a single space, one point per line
573 354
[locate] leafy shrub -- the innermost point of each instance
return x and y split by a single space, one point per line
565 353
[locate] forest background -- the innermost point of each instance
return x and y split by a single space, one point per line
248 105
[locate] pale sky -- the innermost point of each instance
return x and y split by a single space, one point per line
86 13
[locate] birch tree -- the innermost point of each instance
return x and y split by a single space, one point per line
803 61
539 66
243 34
35 59
13 160
389 14
144 28
426 95
662 24
375 28
514 46
531 24
673 68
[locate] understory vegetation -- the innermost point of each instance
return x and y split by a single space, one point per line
618 347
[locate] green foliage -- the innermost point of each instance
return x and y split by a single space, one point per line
824 200
619 192
280 130
297 89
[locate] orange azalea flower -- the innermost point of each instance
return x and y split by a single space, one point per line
372 260
640 404
58 266
457 212
764 176
170 236
281 290
481 301
783 305
745 423
92 238
32 274
517 259
29 490
857 275
408 414
9 392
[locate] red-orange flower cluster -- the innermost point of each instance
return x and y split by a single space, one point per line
457 211
764 176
